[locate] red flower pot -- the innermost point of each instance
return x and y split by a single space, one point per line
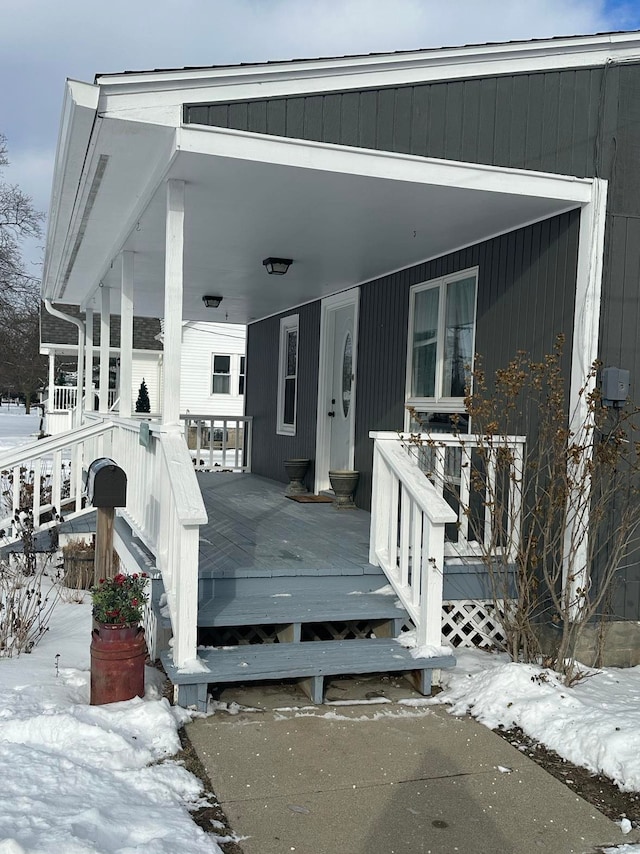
117 663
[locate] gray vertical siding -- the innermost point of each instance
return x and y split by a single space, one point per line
546 120
261 393
583 122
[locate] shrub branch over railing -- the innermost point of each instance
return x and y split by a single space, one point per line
552 529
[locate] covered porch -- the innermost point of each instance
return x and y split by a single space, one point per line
170 217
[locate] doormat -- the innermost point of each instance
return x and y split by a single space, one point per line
307 498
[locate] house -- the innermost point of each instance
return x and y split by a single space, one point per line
212 373
424 205
59 341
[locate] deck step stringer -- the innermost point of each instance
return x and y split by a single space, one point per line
309 662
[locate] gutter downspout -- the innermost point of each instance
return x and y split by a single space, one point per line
77 416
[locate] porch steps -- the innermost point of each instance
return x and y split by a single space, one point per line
286 591
294 614
309 662
268 600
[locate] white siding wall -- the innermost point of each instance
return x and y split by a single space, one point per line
146 365
200 342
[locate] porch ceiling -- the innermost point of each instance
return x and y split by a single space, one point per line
343 215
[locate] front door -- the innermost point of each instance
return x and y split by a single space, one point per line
336 409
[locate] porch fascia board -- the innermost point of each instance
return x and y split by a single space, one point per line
365 162
79 111
310 76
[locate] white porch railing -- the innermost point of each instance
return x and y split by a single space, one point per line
165 509
408 517
472 473
62 397
218 442
45 475
164 503
432 497
65 396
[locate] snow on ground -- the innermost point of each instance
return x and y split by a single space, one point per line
84 779
595 724
16 428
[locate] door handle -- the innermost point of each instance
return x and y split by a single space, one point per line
331 414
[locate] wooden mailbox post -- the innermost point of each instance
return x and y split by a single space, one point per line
106 490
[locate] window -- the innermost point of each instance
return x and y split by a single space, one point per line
441 343
221 375
241 376
288 375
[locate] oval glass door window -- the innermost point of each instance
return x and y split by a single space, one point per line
347 374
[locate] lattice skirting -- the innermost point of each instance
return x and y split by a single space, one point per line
469 622
238 635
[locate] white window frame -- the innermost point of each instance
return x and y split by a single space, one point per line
242 374
288 324
219 374
437 403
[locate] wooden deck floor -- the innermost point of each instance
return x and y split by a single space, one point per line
255 530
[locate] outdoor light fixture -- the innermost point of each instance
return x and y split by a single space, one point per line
211 302
277 266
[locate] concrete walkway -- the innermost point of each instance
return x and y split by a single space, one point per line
383 779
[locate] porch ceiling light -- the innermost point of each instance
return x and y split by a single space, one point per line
211 302
277 266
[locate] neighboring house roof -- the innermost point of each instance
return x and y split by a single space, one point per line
54 330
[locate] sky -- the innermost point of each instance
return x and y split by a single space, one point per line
43 42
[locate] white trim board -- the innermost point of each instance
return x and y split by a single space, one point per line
325 379
366 162
279 79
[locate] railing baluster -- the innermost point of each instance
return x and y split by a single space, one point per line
516 472
15 497
439 463
392 546
490 495
36 497
465 494
405 532
416 546
56 481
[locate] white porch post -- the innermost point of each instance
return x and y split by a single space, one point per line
88 362
52 381
105 346
126 334
173 287
575 576
77 412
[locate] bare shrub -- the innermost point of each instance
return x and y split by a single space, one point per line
551 529
28 590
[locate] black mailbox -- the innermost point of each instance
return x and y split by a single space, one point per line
106 484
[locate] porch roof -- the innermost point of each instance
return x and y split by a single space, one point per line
344 215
